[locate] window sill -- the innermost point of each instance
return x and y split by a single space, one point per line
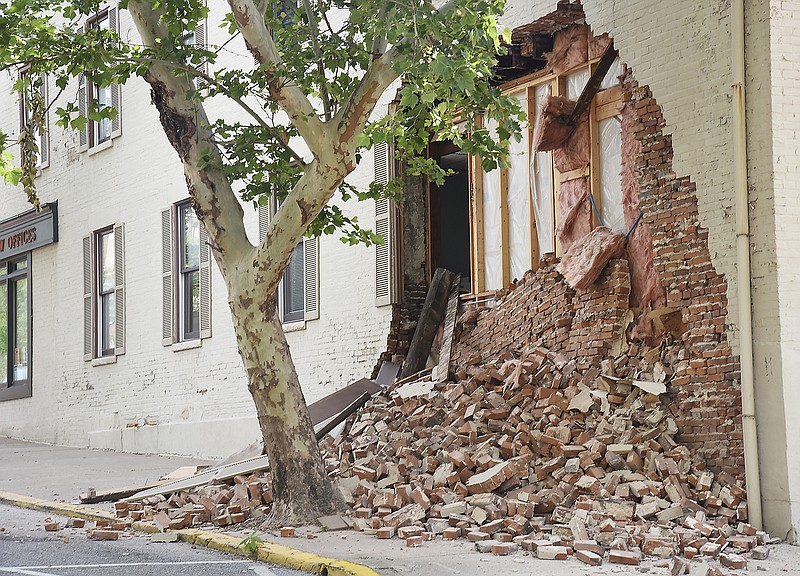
100 147
15 392
186 345
104 360
295 326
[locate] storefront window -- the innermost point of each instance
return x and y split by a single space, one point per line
15 324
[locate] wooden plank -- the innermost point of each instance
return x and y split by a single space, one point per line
505 245
582 172
609 96
599 71
334 403
93 497
480 271
431 316
440 372
531 112
559 89
594 162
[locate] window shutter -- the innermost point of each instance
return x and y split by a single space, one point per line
83 135
119 288
116 103
205 284
88 324
264 218
200 43
311 278
167 323
383 252
116 89
44 152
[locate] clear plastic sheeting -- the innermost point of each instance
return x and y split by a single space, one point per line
541 173
492 231
610 146
576 82
611 78
519 213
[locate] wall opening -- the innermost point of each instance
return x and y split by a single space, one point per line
449 214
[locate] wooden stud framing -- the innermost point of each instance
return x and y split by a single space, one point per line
505 246
478 269
594 154
530 94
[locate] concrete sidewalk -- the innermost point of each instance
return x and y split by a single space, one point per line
60 474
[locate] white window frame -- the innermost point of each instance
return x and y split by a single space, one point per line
89 137
93 315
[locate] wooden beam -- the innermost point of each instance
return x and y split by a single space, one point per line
593 85
431 316
531 111
505 246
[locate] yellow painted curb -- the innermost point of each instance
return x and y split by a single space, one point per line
267 552
62 508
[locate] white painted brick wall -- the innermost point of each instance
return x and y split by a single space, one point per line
203 389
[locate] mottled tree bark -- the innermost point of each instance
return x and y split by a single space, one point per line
301 489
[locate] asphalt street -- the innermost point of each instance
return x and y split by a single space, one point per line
27 549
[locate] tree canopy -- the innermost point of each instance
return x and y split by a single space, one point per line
300 109
320 52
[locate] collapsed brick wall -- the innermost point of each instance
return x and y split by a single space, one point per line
706 384
543 308
704 391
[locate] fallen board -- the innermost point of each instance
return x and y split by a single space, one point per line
321 412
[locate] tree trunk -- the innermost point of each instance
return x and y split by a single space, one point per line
301 490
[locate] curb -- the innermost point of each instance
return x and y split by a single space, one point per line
267 552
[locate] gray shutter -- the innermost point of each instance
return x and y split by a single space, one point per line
205 284
311 278
88 324
119 288
83 108
116 89
383 261
167 324
200 43
264 218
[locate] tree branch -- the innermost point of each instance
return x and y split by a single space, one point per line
353 115
188 130
288 95
314 32
191 70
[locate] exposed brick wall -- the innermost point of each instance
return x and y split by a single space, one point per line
706 383
543 308
705 390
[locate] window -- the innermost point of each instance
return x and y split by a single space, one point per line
106 303
33 104
519 213
104 294
98 134
186 276
298 293
15 329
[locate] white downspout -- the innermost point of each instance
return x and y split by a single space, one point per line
752 472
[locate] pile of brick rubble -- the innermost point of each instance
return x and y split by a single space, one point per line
526 451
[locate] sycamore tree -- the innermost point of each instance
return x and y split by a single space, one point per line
302 109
